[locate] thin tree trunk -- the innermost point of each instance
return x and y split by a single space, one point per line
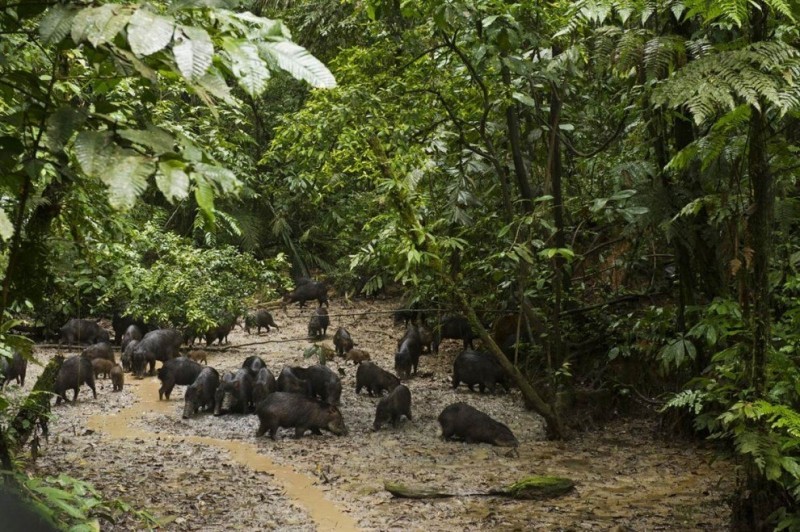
760 224
555 427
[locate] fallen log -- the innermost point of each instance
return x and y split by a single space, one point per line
537 487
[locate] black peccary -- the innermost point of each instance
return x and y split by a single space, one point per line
263 385
235 393
127 356
13 368
459 420
101 350
455 327
131 333
342 341
391 407
291 410
253 364
260 318
77 331
121 324
407 356
477 367
318 325
325 384
201 393
181 370
75 370
375 379
306 292
161 344
290 383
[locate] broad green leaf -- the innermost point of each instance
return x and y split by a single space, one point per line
524 99
124 171
248 67
204 194
149 33
155 138
193 51
298 62
90 147
57 23
99 25
190 150
172 180
126 177
224 178
213 82
6 227
61 125
146 72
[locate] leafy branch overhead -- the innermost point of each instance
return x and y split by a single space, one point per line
202 48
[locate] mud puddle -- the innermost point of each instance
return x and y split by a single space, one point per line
299 488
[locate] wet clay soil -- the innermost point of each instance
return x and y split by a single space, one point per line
212 473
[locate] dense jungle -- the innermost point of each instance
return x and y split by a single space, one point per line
384 265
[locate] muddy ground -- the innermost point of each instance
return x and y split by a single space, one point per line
212 473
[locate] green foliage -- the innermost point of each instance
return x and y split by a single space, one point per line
75 505
161 278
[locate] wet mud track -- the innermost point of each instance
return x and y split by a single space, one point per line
212 473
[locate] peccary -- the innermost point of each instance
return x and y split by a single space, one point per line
102 350
357 356
127 356
459 420
391 407
75 370
121 325
253 364
77 331
179 370
198 356
343 341
117 378
220 332
260 318
302 413
235 393
425 338
407 356
476 367
325 384
455 327
290 383
264 385
131 333
200 394
406 315
375 379
161 344
101 366
13 369
305 292
318 325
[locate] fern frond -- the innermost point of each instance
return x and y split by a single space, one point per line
763 72
662 52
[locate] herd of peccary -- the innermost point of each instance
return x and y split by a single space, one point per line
300 398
